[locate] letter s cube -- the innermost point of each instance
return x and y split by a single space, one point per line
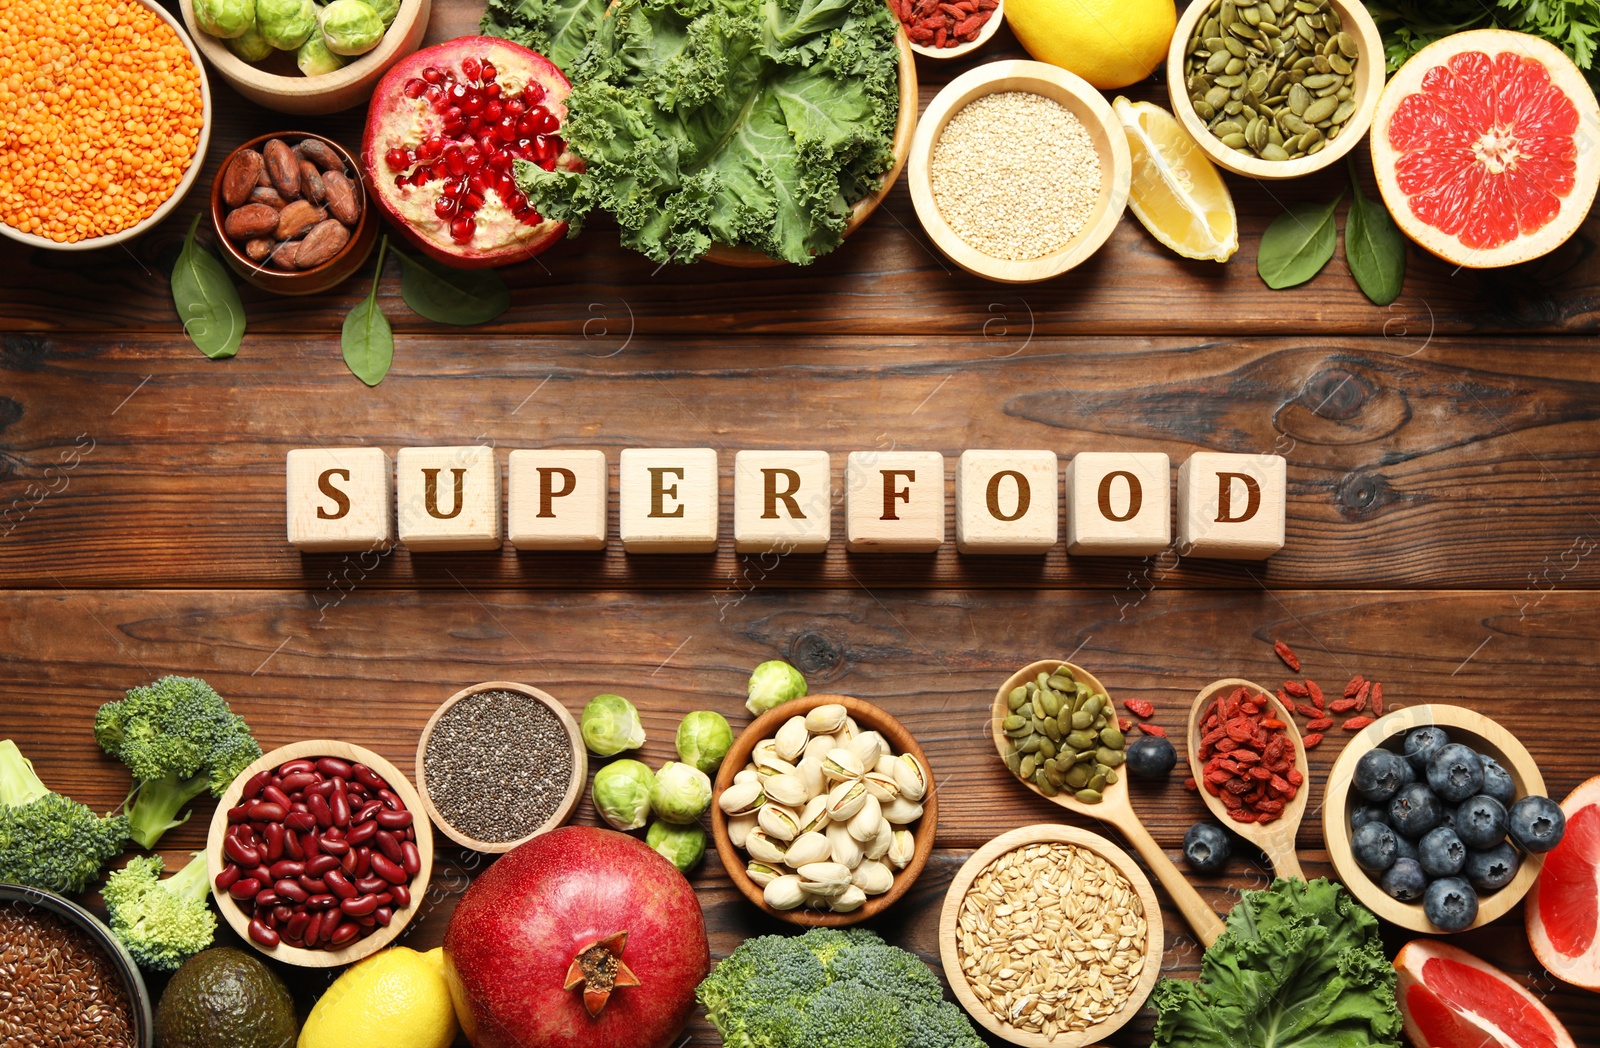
338 499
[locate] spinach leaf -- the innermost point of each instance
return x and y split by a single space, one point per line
451 296
1297 244
367 340
207 302
1374 247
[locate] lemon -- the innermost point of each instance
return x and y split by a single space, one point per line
1176 192
1110 43
397 998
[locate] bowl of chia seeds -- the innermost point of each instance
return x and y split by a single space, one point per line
499 763
68 980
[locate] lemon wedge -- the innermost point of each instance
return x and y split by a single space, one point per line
1176 191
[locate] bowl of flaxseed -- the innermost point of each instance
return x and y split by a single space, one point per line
499 763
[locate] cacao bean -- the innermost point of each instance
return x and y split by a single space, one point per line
263 179
286 254
320 154
325 240
250 221
298 217
343 203
283 167
311 186
268 196
258 249
240 178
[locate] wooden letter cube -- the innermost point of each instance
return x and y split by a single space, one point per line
338 499
782 501
1231 507
448 498
668 500
557 499
1006 502
894 501
1119 504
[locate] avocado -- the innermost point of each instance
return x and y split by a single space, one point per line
225 998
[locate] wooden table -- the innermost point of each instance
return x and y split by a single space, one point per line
1444 461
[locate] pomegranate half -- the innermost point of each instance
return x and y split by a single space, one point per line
580 938
444 129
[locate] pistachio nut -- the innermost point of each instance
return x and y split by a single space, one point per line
814 816
763 847
784 893
868 747
790 742
911 776
878 847
826 719
787 789
808 848
739 828
863 825
846 849
846 799
818 747
850 730
885 765
873 878
810 771
847 901
766 747
902 812
881 786
824 878
779 822
901 850
841 765
762 874
771 764
746 775
742 798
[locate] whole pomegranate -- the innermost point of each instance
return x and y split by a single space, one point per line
580 938
444 129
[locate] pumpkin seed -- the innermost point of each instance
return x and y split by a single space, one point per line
1347 45
1340 115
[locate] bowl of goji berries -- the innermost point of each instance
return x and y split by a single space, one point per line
946 29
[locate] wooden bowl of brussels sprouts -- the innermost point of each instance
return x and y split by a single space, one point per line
309 80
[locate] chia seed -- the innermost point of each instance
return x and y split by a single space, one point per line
497 765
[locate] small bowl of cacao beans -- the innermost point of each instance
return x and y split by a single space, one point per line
291 213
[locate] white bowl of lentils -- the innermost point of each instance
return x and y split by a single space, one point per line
1019 171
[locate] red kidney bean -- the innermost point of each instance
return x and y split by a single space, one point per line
383 915
333 833
334 846
314 885
350 863
260 873
411 833
242 854
292 890
361 833
321 865
389 844
298 781
343 933
244 888
299 806
237 815
296 927
310 843
402 896
391 800
265 899
294 766
340 885
313 929
274 834
371 884
273 795
263 934
319 808
287 868
281 914
363 857
360 906
300 821
323 901
291 846
389 871
225 880
412 858
394 820
254 784
367 776
368 810
335 767
266 811
339 805
386 896
367 922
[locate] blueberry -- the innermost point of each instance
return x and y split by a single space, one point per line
1497 781
1415 810
1359 817
1375 847
1455 773
1206 848
1441 852
1150 757
1422 744
1405 880
1380 773
1450 903
1492 869
1481 822
1537 823
1405 848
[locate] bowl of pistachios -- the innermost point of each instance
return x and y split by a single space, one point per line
824 811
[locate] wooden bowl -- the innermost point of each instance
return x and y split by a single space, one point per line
278 84
355 951
1355 20
569 801
196 162
1087 104
905 124
1464 726
1155 940
331 273
988 30
869 717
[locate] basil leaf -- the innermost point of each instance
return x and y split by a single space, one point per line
367 340
1374 247
207 302
1297 245
452 296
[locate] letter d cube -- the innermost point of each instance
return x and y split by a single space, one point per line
1231 507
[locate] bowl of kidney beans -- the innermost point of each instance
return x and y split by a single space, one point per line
318 855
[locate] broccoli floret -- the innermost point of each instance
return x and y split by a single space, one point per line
848 1015
47 840
897 973
179 738
162 922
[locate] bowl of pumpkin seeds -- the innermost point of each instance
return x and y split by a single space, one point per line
1275 88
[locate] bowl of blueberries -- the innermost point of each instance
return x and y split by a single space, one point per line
1436 818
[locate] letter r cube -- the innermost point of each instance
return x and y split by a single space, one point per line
338 499
782 501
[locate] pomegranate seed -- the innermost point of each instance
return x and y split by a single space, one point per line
549 125
528 125
453 113
454 129
401 181
500 160
533 93
396 159
462 227
472 202
457 92
491 91
432 75
514 107
507 187
434 94
475 125
487 73
474 162
480 181
493 111
414 87
455 189
472 104
444 207
471 67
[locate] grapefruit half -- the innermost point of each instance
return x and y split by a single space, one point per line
1450 999
1484 146
1562 911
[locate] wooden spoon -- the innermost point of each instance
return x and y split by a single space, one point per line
1275 838
1114 807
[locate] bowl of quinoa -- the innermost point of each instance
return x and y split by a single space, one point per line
1019 171
108 115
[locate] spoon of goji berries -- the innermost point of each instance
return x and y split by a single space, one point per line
1250 766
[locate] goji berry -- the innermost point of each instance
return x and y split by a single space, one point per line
1225 745
1212 788
1356 723
1310 741
1272 723
1140 707
1295 778
1286 653
1295 688
1238 786
1377 700
1283 697
1319 724
1354 686
1240 815
1230 799
1190 785
1153 729
1270 807
1342 705
1260 774
1241 729
1279 784
1124 725
1244 756
1361 696
1305 709
1315 693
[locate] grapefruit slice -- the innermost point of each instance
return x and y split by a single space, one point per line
1483 148
1450 999
1562 912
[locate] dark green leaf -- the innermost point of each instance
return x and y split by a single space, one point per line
1297 245
452 296
367 340
207 302
1374 247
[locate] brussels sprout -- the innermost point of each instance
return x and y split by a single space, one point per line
286 24
610 723
622 794
680 845
252 46
703 739
314 58
225 19
681 793
772 684
387 9
351 27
